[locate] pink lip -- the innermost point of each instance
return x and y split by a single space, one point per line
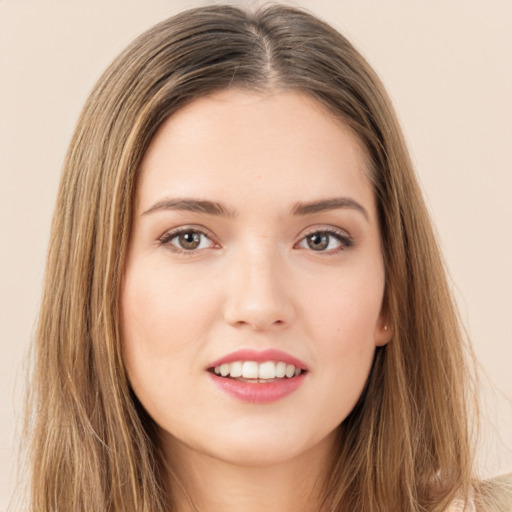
259 357
258 392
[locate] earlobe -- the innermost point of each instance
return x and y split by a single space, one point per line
383 331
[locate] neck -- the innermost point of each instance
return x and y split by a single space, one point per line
201 483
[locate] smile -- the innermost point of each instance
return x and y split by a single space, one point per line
252 371
258 377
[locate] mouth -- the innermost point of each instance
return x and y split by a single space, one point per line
255 372
258 377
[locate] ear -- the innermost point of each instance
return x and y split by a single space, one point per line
383 330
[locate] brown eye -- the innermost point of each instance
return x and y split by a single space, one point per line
189 240
328 241
318 241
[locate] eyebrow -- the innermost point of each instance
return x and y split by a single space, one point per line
329 204
217 209
191 205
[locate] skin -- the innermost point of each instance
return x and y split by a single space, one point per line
254 282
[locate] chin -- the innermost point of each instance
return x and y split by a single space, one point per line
263 451
256 448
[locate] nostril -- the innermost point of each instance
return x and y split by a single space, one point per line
258 309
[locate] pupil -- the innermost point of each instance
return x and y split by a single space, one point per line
318 242
190 240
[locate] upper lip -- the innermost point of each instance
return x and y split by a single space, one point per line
259 356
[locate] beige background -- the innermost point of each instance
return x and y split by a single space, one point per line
448 67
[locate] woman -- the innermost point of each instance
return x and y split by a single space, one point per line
245 306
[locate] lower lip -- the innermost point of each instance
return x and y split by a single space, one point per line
258 392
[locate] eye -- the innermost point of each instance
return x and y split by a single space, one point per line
327 240
186 240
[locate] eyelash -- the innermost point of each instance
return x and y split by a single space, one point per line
345 240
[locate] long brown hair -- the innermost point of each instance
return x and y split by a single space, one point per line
407 444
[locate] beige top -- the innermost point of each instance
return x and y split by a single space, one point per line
458 506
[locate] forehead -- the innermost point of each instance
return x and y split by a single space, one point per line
279 145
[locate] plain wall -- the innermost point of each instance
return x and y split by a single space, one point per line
448 68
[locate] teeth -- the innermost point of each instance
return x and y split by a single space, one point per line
224 369
236 369
280 369
252 370
290 370
267 370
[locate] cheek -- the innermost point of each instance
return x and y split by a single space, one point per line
343 323
346 308
163 329
163 312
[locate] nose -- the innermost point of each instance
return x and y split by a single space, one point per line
258 292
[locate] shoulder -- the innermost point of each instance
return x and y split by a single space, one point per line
459 505
494 495
463 504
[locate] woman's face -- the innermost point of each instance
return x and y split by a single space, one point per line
254 252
